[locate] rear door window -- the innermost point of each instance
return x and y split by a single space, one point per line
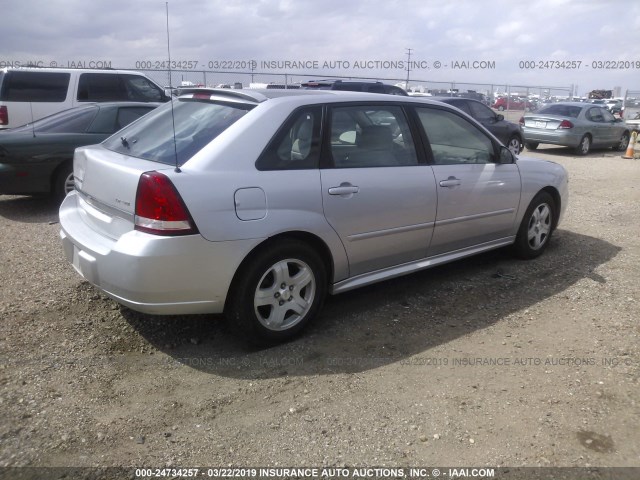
375 88
112 119
371 136
595 115
34 86
127 115
481 112
462 105
141 89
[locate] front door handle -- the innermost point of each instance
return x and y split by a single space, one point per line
450 182
344 189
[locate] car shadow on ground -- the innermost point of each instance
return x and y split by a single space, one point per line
569 152
389 321
27 209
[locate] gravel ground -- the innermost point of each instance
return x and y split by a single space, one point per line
489 361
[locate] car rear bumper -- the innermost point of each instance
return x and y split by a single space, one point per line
148 273
554 137
20 179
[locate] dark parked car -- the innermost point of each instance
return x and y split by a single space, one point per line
481 97
508 133
37 158
353 86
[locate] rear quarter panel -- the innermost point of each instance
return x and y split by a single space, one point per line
293 202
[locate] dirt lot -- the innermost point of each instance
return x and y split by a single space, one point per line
485 362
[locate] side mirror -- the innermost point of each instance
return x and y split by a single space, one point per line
506 156
499 117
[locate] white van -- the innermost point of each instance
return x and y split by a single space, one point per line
28 94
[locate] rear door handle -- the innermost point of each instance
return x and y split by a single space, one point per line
450 182
344 189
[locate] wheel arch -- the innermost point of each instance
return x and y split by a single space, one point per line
306 238
64 164
557 200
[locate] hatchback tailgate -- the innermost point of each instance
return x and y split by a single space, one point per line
107 183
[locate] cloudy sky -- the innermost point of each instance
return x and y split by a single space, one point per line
586 43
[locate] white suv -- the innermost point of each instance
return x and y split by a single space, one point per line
28 94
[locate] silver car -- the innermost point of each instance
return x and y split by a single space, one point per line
577 125
259 203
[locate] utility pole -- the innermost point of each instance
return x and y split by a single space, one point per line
406 85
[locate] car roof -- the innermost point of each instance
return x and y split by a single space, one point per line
256 95
118 104
69 70
574 104
455 99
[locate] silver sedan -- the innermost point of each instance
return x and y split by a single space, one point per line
580 126
259 203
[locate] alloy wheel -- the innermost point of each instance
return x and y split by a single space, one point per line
539 226
284 294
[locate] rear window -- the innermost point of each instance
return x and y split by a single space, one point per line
197 122
562 110
19 86
74 120
112 119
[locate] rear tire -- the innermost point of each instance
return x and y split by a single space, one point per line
584 146
537 226
531 145
62 182
277 293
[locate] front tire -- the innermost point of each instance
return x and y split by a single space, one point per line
531 145
624 142
277 293
536 228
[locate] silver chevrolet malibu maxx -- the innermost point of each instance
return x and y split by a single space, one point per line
259 203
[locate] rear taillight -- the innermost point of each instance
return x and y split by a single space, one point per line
4 115
565 124
159 207
521 121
